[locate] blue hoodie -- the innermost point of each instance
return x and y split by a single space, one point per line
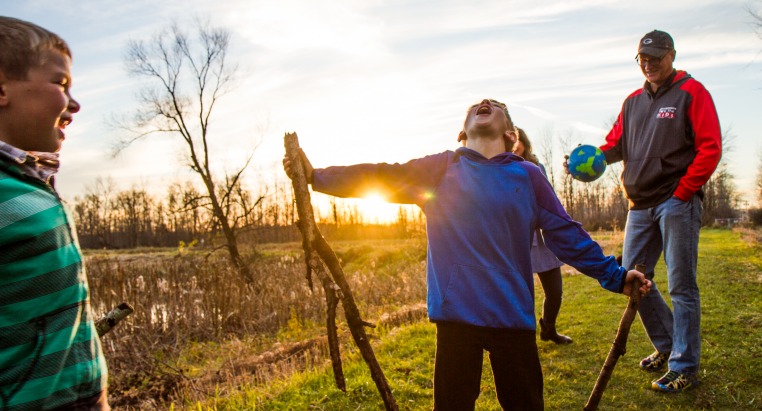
480 216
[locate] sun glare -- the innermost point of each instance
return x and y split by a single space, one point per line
376 209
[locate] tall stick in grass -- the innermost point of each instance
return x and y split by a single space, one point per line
336 286
620 344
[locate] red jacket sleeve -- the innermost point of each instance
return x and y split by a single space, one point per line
707 141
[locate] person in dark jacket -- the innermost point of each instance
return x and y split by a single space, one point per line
668 137
482 204
544 262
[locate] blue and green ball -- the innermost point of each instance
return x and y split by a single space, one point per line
586 163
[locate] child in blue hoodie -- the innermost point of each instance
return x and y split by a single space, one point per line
482 205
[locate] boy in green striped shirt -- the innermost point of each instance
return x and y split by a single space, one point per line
50 354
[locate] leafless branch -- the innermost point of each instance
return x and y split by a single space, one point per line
185 76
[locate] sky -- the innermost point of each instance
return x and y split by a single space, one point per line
389 81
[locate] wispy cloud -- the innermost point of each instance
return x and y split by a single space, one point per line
382 80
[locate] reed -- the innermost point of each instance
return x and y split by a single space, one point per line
188 296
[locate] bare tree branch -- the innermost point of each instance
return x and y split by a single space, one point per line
757 16
185 77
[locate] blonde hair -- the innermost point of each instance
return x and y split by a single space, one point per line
23 46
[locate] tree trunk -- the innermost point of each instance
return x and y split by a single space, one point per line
231 241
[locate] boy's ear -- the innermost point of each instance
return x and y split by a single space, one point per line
462 136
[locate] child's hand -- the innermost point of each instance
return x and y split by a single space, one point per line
308 169
632 275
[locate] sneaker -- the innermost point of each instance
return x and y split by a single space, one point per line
654 362
673 382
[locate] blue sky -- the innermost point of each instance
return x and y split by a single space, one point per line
373 80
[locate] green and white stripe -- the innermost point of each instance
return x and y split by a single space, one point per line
50 354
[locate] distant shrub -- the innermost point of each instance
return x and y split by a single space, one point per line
755 216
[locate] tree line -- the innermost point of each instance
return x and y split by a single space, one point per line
109 218
183 216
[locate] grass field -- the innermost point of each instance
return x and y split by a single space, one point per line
730 277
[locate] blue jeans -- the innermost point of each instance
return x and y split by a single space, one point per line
673 227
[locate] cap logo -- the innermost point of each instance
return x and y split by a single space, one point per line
647 41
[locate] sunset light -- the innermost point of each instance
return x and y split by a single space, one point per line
369 82
376 209
276 185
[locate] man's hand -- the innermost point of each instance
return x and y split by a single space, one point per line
308 169
566 164
632 275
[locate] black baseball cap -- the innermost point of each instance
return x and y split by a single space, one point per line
656 43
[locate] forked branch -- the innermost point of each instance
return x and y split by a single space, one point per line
316 249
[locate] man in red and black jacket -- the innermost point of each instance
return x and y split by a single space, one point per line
668 136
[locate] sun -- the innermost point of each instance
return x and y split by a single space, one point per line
376 210
372 208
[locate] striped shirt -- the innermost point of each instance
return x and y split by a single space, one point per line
50 354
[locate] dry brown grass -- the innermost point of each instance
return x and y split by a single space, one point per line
750 235
192 309
200 330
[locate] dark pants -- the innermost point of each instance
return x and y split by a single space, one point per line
553 286
458 367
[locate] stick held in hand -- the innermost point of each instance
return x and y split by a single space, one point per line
620 344
319 256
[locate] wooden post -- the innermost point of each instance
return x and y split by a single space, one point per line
620 344
336 286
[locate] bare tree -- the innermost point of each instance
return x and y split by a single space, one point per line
566 143
185 79
720 196
547 154
757 16
94 213
133 208
758 185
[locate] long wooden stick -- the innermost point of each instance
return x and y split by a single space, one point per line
620 344
315 246
308 228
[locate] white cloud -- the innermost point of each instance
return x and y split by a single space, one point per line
389 80
286 26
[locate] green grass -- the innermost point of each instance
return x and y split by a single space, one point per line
730 277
